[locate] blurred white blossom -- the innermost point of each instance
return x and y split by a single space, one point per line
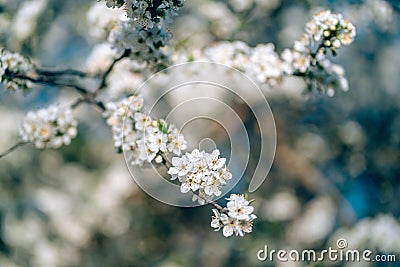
100 57
241 5
101 20
265 65
316 222
235 54
378 233
24 23
222 21
12 64
49 127
294 61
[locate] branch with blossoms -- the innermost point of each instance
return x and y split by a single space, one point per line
145 140
325 33
142 36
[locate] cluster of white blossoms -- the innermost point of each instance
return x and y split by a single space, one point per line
307 58
144 33
51 127
136 133
148 140
261 63
326 30
12 64
330 29
144 45
378 233
295 61
237 218
265 65
234 54
200 172
124 133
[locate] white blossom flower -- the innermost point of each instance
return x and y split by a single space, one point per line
49 128
200 172
141 121
238 207
181 167
176 142
237 218
12 64
230 225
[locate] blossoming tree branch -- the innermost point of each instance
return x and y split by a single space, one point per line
138 32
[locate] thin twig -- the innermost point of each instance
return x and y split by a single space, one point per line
90 100
103 82
215 204
11 149
77 102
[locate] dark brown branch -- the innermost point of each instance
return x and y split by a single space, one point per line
51 81
11 149
64 72
87 96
